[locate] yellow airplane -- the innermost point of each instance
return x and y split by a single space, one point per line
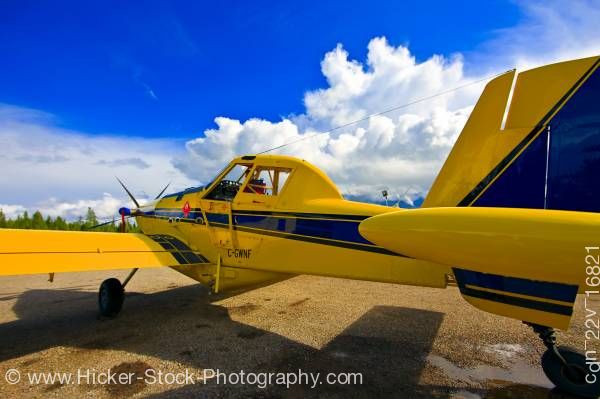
512 219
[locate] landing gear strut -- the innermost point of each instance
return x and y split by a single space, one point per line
112 294
565 366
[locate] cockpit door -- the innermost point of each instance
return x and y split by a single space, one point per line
218 218
216 204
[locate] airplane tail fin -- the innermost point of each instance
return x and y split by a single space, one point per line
532 141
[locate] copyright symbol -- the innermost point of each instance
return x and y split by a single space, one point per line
12 376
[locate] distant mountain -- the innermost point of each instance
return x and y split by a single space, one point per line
417 202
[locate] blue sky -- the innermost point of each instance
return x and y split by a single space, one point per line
169 68
170 91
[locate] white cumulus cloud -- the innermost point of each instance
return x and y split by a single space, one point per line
63 172
12 211
401 150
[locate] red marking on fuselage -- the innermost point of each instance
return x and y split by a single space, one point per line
186 209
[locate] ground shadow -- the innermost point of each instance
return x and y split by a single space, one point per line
387 345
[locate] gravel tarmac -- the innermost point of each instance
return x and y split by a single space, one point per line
406 342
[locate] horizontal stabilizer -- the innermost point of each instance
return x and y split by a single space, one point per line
523 263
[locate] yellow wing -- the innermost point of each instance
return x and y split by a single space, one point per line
42 251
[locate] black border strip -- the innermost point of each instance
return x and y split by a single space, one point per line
303 215
179 220
516 285
318 216
515 301
178 249
485 182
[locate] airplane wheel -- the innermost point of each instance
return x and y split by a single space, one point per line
111 297
571 379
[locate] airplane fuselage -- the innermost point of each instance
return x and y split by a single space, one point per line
256 238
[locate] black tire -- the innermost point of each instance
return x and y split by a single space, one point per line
110 297
571 381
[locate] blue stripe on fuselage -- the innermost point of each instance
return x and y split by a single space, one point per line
174 214
340 230
217 218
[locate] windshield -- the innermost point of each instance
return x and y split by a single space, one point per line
229 185
211 181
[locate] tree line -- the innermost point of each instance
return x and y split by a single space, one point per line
37 221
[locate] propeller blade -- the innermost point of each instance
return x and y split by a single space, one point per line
163 191
128 192
104 223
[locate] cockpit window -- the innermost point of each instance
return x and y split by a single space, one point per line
267 181
207 185
230 184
